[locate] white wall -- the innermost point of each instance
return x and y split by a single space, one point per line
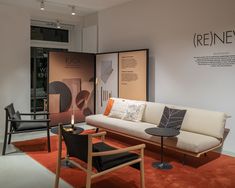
167 27
14 60
90 33
89 39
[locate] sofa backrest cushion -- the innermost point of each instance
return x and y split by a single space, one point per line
205 122
153 112
200 121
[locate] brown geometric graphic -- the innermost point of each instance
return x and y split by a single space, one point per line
70 77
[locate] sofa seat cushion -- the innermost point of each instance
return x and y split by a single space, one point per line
188 141
192 142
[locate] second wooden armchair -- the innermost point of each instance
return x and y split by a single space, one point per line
103 157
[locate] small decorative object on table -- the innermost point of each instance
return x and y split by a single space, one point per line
72 121
70 128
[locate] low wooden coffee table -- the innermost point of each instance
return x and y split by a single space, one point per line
162 132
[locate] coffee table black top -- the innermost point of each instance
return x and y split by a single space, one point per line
165 132
77 130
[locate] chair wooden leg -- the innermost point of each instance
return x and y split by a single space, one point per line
88 181
58 167
4 143
5 136
9 138
48 139
89 163
142 180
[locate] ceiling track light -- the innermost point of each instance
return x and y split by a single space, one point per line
73 12
42 5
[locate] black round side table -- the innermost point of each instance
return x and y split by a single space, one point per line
162 132
76 130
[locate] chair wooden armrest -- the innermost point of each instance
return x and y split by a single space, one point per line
117 151
100 134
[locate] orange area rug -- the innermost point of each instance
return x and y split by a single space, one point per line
211 171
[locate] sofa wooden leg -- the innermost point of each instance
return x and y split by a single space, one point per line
184 159
97 130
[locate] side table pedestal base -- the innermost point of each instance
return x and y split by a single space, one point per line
163 166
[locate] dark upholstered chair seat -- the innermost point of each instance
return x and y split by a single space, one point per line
32 126
102 163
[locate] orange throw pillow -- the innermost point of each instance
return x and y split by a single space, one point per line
108 107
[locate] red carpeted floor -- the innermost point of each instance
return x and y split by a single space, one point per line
210 172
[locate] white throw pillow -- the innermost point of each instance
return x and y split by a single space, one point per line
118 109
135 111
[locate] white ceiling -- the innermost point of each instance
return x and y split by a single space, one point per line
83 7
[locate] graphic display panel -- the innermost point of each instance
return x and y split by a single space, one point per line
71 86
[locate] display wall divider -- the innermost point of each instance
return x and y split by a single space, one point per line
75 80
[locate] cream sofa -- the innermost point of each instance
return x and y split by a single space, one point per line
201 130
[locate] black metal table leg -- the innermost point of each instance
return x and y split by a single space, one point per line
161 164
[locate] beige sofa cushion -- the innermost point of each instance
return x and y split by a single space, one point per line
200 121
187 141
205 122
192 142
153 112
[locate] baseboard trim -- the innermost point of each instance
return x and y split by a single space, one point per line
230 153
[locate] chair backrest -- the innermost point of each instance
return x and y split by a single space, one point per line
10 110
77 145
11 114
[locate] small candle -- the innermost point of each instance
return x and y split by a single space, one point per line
72 119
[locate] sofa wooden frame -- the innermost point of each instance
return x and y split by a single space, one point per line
89 171
159 144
